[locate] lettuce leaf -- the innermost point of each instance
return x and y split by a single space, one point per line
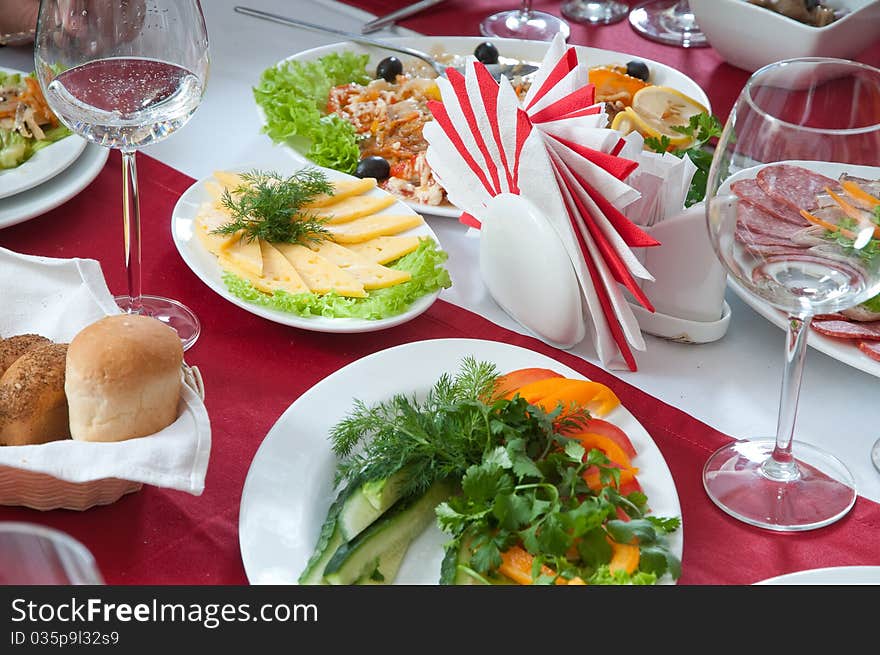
14 148
424 264
293 96
872 304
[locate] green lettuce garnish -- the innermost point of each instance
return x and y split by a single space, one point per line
424 264
293 96
16 149
872 304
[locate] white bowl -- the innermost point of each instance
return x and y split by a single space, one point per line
749 36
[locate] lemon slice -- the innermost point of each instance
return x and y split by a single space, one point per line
666 105
629 120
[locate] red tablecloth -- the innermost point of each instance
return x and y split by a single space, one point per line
253 369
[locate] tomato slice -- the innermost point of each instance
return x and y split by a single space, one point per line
608 429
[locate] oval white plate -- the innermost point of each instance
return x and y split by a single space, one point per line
289 486
206 268
842 350
45 164
834 575
56 191
528 51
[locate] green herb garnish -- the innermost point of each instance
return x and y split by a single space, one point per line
701 128
270 207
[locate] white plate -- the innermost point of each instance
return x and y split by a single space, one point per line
45 164
289 486
206 268
834 575
56 191
521 50
843 350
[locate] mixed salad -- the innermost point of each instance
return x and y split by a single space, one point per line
26 122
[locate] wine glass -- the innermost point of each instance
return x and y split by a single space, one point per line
524 23
600 12
125 74
796 128
36 555
668 21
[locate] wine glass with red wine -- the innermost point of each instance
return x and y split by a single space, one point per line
126 74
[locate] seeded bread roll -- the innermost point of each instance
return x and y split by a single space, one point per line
33 407
123 378
12 348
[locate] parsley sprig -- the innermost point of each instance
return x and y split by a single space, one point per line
701 128
269 206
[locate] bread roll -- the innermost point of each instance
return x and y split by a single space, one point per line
33 408
12 348
123 378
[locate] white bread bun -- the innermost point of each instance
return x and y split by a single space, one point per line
123 378
33 408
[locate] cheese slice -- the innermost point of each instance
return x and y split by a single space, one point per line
227 179
370 274
244 254
370 227
320 275
343 189
352 208
208 219
382 250
278 274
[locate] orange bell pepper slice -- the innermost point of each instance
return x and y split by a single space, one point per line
624 557
592 396
628 479
609 82
516 564
507 385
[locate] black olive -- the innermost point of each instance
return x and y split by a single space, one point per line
638 69
389 68
486 53
374 166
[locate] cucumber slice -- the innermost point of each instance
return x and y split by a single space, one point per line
368 502
403 523
387 568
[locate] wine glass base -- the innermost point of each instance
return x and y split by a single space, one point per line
657 20
514 24
594 13
821 493
172 313
875 455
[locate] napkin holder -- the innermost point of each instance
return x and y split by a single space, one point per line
689 281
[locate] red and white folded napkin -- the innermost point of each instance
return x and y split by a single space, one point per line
554 150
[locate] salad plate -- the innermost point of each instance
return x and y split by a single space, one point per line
456 48
205 265
289 485
43 165
833 575
843 350
55 191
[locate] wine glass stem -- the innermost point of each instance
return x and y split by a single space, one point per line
525 9
131 228
781 465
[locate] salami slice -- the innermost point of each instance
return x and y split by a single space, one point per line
829 317
754 219
749 191
794 186
871 349
749 238
849 330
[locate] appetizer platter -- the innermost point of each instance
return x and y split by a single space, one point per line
324 104
314 248
34 146
770 223
289 492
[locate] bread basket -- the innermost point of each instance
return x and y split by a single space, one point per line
40 491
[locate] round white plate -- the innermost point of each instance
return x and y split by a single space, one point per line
45 164
521 50
206 268
843 350
289 486
834 575
56 191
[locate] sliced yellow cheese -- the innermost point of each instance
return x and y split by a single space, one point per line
353 208
244 254
227 179
320 275
370 227
343 189
208 219
382 250
370 274
278 273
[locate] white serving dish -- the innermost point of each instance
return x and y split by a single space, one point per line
749 36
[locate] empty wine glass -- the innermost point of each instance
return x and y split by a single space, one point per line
600 12
791 210
36 555
125 74
668 21
875 455
524 23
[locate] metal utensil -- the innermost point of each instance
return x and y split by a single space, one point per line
404 12
496 70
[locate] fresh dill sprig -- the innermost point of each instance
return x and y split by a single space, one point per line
269 206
